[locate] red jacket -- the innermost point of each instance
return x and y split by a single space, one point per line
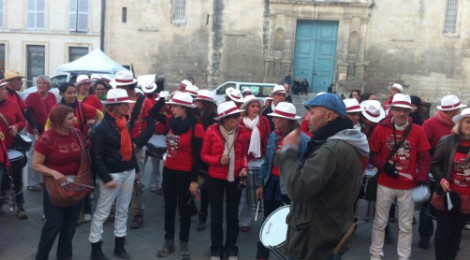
264 129
213 148
436 129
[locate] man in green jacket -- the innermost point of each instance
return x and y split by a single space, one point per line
323 188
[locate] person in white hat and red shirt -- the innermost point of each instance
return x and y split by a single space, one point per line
270 188
450 168
224 149
83 86
142 127
372 113
392 90
436 127
278 95
246 92
180 171
116 167
207 107
400 150
234 95
353 111
259 128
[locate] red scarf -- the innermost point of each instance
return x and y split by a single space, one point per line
126 142
445 119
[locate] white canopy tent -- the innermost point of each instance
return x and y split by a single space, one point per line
94 62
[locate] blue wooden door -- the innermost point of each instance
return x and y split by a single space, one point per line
315 53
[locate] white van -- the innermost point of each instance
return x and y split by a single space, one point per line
261 90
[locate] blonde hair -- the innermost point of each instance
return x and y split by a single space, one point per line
457 128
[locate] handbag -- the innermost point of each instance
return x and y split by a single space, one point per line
371 189
70 193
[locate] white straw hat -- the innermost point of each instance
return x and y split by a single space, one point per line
149 87
123 78
464 113
227 108
116 96
206 95
402 100
192 90
234 94
352 105
250 98
372 110
449 103
396 86
82 79
182 99
279 89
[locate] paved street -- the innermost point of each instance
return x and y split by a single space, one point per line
18 239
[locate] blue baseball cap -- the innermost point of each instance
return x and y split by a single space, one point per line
328 101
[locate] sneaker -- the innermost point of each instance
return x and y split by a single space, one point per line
34 188
21 213
87 217
137 222
168 248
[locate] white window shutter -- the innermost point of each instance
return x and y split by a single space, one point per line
73 15
82 15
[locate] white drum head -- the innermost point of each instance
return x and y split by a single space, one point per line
26 138
14 154
158 141
421 193
274 229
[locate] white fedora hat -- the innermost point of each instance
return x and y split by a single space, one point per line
285 110
149 87
464 113
116 96
279 89
450 102
227 108
247 91
192 90
396 86
234 94
402 100
82 79
184 84
123 78
250 98
372 110
182 99
352 105
206 95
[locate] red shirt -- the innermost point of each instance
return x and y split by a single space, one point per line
139 123
264 129
14 116
460 176
15 98
160 128
304 126
93 101
63 152
40 108
435 130
180 149
406 158
274 170
3 151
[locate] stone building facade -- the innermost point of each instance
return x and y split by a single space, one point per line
36 36
363 44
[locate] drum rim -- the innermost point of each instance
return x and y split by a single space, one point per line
266 221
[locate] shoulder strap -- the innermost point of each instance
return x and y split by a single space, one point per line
136 110
397 145
4 120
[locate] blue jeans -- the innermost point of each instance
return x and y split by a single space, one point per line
63 220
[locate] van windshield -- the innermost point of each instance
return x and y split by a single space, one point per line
257 90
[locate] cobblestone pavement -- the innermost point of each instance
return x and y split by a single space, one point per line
19 238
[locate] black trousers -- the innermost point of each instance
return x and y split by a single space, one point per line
176 193
218 189
58 220
449 233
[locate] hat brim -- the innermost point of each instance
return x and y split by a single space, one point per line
205 99
231 113
148 91
277 115
354 110
117 102
450 109
236 100
404 106
117 84
246 103
14 77
457 118
179 104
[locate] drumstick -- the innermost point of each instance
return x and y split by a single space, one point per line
83 185
257 210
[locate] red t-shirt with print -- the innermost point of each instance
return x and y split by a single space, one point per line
63 152
382 142
180 149
460 176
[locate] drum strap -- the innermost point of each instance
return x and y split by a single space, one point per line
345 237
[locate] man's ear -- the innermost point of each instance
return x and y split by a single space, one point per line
330 116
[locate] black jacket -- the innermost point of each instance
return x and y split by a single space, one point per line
105 154
441 165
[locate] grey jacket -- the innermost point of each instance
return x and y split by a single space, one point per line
323 191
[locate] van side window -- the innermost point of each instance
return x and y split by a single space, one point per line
221 89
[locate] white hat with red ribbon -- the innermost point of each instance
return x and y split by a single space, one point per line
285 110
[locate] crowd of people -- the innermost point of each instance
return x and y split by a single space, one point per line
102 132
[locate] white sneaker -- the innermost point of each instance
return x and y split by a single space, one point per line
87 218
467 227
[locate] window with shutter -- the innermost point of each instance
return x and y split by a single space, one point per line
1 13
450 21
179 11
79 15
35 14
